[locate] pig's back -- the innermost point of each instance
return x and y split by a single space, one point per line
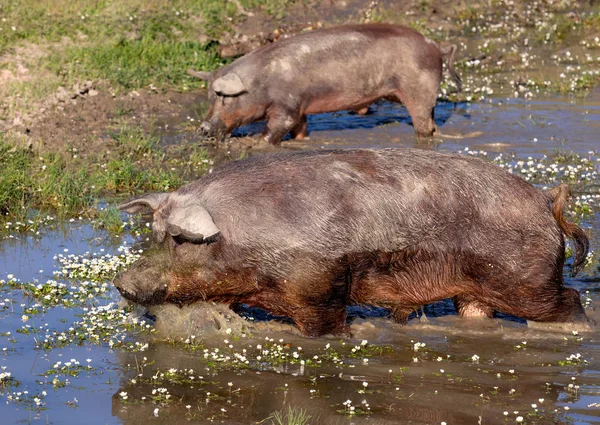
346 56
336 202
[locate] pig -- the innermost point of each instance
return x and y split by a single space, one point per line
305 234
340 68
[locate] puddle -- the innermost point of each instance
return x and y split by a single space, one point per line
528 128
442 369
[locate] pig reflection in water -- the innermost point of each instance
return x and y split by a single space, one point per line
305 234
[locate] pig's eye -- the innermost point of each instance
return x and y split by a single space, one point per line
180 240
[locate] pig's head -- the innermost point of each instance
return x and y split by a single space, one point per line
182 232
232 104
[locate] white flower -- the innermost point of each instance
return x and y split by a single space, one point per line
475 358
519 419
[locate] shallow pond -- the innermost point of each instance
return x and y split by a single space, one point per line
75 356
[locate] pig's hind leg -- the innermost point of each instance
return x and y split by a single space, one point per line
468 306
299 132
546 302
535 291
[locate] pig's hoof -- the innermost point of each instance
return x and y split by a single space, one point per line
423 318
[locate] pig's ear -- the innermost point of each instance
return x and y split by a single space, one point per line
147 204
229 85
192 222
203 75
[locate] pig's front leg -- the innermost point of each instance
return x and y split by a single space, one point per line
280 123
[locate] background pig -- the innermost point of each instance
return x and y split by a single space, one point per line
304 234
334 69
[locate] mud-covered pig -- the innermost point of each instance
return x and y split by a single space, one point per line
340 68
305 234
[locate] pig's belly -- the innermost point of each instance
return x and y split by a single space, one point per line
340 101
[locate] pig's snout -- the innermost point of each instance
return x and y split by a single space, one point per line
145 287
213 128
205 128
123 287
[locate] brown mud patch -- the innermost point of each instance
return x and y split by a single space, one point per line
82 119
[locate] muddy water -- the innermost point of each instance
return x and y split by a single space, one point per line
527 127
439 368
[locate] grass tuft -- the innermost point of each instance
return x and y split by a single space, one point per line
293 416
31 183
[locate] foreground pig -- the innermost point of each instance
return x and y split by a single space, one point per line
305 234
341 68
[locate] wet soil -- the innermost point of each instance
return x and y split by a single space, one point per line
84 123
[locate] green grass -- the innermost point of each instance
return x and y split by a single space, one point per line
122 175
129 44
131 64
32 185
109 218
94 21
133 141
60 188
293 416
14 180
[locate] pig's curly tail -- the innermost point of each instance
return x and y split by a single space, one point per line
558 196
